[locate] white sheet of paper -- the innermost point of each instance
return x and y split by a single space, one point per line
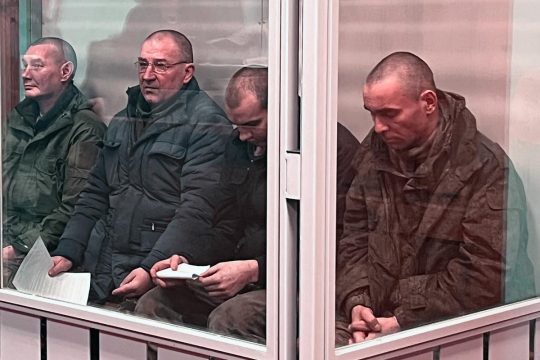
184 271
33 278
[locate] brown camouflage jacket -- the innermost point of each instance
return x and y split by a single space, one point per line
443 240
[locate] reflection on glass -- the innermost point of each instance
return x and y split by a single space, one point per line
230 297
50 145
425 252
170 182
435 223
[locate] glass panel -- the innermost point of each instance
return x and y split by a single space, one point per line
438 223
125 184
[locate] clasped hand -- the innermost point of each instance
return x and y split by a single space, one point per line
365 326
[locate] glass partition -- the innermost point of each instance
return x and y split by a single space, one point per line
133 150
440 218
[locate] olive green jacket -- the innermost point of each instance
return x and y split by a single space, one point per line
45 166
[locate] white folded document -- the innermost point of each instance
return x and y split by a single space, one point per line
33 278
184 271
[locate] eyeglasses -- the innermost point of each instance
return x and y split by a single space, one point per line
160 67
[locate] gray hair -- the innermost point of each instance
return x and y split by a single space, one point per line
64 48
181 40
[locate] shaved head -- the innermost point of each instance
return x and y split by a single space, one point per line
183 43
413 73
64 50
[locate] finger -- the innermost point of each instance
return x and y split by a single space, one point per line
214 287
214 269
153 271
358 336
55 270
175 261
367 315
359 326
160 265
168 283
127 290
58 268
211 280
373 335
122 290
161 283
374 325
127 279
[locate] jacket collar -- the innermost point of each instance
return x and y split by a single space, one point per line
164 115
248 148
138 107
453 152
55 119
453 147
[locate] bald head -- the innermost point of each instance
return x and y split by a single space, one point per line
64 51
182 42
413 73
248 80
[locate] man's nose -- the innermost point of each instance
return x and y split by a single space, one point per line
25 72
379 126
148 74
244 134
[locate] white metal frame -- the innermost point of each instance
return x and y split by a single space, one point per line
325 75
443 332
317 67
281 284
288 98
313 259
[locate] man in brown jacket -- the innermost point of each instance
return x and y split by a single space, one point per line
435 221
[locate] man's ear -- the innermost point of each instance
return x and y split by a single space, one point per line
429 98
67 71
190 70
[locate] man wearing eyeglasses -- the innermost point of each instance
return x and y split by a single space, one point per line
50 145
155 189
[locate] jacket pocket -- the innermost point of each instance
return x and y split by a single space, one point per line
48 184
151 230
46 166
12 151
163 168
167 149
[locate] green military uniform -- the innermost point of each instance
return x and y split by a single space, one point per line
46 160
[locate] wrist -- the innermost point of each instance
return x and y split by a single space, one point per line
253 270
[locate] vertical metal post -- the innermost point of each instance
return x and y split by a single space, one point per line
314 67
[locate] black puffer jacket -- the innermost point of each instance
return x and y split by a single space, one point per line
157 190
246 175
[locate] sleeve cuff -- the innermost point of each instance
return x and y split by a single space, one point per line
261 263
71 250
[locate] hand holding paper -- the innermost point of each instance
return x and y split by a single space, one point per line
33 278
184 271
